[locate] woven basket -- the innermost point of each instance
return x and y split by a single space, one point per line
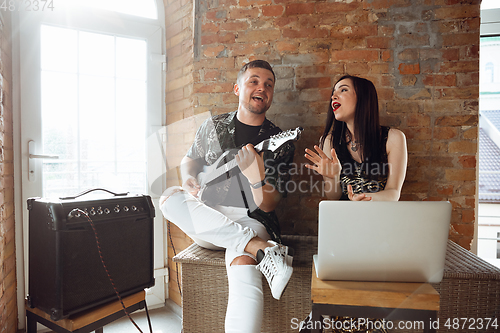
204 289
470 289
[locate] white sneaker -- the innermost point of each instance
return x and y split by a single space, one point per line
276 266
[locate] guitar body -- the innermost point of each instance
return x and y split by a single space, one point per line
208 192
226 167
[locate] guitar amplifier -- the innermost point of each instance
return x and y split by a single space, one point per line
66 274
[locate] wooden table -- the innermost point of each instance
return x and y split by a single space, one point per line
415 303
88 321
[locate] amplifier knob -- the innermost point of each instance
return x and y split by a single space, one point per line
77 214
125 209
134 208
106 210
99 211
117 209
92 212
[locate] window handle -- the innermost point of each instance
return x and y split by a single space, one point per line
31 160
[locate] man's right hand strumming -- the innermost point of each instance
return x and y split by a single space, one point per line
191 186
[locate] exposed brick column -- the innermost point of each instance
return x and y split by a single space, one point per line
421 55
8 286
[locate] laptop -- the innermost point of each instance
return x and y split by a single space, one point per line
391 241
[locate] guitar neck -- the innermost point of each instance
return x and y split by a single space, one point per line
227 167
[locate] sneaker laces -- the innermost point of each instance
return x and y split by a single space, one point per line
271 261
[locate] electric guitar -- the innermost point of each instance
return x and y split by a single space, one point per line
226 167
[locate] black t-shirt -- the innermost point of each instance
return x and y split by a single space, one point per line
237 195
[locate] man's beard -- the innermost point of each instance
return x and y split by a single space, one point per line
255 110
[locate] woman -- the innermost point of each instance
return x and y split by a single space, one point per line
359 159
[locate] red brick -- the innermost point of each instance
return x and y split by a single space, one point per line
213 51
216 15
239 13
273 10
306 33
465 120
450 54
379 42
213 88
413 40
286 46
354 43
459 93
469 51
173 29
384 4
343 31
387 55
299 9
386 30
455 12
418 120
210 27
419 133
251 36
385 93
459 174
467 79
467 161
459 67
234 26
317 82
337 7
222 38
427 54
282 22
440 80
355 55
408 80
460 39
411 54
466 229
246 3
467 147
445 189
358 68
409 68
382 68
240 49
445 133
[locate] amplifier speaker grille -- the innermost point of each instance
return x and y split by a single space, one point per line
66 275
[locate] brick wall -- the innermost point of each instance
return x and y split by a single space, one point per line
8 305
422 55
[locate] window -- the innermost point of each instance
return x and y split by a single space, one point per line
488 229
489 4
93 112
88 88
489 72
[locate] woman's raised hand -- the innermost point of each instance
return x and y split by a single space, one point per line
322 164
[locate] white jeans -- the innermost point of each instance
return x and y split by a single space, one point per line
227 228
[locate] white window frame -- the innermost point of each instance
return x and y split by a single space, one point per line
490 26
115 23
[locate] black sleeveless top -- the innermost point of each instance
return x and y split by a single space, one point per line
365 177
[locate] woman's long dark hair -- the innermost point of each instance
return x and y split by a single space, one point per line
366 121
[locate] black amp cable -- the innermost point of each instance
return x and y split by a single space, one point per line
107 272
173 248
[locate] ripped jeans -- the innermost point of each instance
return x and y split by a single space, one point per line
228 228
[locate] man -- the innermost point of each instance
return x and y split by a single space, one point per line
240 217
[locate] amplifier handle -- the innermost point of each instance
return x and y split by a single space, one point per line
94 189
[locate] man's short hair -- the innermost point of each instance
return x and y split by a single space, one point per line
255 64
